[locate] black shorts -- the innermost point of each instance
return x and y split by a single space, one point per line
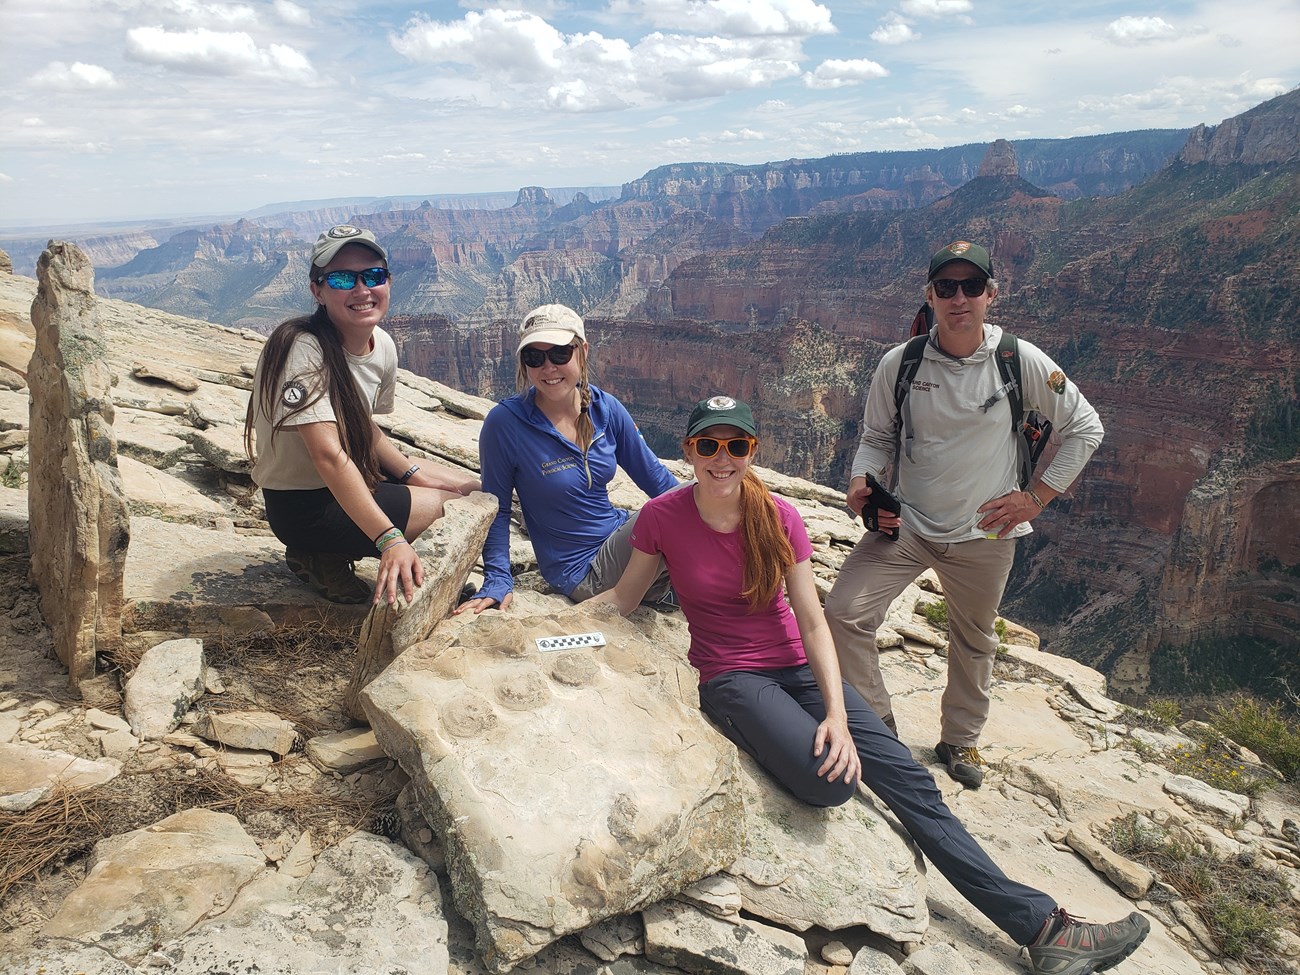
312 521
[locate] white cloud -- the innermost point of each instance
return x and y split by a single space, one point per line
835 73
936 9
76 76
5 178
1140 30
292 14
203 51
214 14
589 72
741 135
894 30
732 18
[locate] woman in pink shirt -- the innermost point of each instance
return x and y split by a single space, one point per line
739 560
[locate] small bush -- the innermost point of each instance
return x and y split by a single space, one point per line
1166 711
1214 764
1242 901
1263 728
1000 628
12 475
936 614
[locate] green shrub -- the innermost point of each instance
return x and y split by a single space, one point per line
1167 711
1263 728
936 614
1214 764
1000 628
1242 901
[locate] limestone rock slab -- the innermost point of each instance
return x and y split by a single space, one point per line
28 774
1131 878
169 678
254 730
197 580
1228 804
153 492
567 787
677 934
802 866
79 525
344 751
153 884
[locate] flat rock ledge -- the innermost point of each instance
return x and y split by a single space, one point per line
648 790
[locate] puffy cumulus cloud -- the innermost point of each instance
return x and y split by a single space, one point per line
894 30
732 18
72 77
292 14
227 15
589 72
835 73
514 43
1140 30
203 51
936 9
740 135
682 68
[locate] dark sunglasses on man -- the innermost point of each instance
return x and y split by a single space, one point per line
970 287
533 357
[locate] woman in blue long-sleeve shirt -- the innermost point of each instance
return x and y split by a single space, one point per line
557 445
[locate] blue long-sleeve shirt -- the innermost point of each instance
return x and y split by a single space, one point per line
565 498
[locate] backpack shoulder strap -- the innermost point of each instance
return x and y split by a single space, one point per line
1008 358
912 356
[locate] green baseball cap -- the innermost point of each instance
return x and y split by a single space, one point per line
961 250
719 410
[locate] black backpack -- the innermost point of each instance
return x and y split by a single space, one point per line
1033 427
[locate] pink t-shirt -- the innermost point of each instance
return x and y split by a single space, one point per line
707 571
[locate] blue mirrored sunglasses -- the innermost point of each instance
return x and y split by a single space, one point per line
371 277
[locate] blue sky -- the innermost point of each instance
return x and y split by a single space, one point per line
146 108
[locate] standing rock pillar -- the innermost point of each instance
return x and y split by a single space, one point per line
78 522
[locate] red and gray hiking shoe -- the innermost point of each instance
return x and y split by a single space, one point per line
1068 946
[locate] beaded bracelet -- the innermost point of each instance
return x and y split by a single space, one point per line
1037 500
388 539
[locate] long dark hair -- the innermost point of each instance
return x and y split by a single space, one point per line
334 380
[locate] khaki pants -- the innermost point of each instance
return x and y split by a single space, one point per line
973 575
608 565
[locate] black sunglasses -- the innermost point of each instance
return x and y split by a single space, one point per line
534 357
970 287
708 446
371 277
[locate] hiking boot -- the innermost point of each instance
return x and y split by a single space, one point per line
964 764
328 575
1067 946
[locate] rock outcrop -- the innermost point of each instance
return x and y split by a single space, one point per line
649 791
80 528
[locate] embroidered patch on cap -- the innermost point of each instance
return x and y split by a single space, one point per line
293 392
958 247
721 403
1056 382
343 232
